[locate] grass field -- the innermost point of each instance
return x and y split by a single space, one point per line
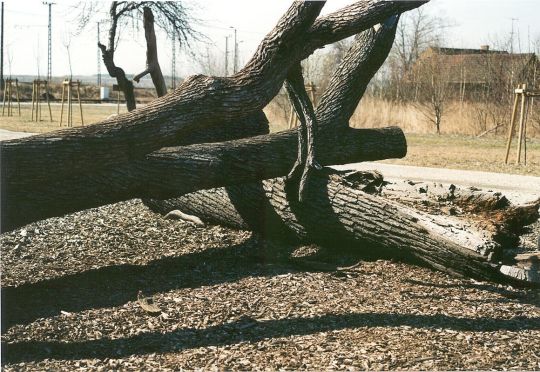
444 151
92 113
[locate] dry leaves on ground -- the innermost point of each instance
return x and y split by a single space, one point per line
230 301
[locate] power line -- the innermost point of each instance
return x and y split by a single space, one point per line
235 60
173 62
226 55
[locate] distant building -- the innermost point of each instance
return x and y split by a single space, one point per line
469 72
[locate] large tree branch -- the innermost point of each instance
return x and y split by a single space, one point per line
363 59
124 84
353 19
176 171
344 211
152 62
201 103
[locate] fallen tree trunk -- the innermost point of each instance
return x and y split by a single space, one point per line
201 103
28 196
352 209
180 170
346 209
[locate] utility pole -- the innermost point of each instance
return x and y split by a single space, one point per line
49 48
512 35
235 59
173 62
2 51
98 59
226 55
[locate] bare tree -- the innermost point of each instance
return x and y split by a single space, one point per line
173 17
433 81
67 44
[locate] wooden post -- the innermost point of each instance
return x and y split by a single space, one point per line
70 113
4 101
512 125
38 98
33 97
79 98
527 103
17 92
521 120
9 98
48 101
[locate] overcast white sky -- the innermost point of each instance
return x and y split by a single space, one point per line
475 22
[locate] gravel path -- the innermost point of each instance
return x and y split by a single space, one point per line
9 135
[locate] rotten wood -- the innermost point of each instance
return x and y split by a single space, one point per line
349 209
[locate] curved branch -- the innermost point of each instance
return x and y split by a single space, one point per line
351 78
152 63
201 104
353 19
124 84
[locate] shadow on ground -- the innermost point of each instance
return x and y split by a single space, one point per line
248 330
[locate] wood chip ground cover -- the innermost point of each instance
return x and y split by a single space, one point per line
70 285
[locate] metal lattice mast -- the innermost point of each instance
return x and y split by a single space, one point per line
49 47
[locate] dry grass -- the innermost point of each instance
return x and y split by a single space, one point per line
444 151
92 113
457 147
465 152
458 119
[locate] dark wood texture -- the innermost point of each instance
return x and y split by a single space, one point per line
107 53
152 62
46 166
344 210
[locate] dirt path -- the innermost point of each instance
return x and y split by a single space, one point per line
9 135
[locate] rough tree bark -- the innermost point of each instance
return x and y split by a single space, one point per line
347 208
152 62
107 53
202 104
